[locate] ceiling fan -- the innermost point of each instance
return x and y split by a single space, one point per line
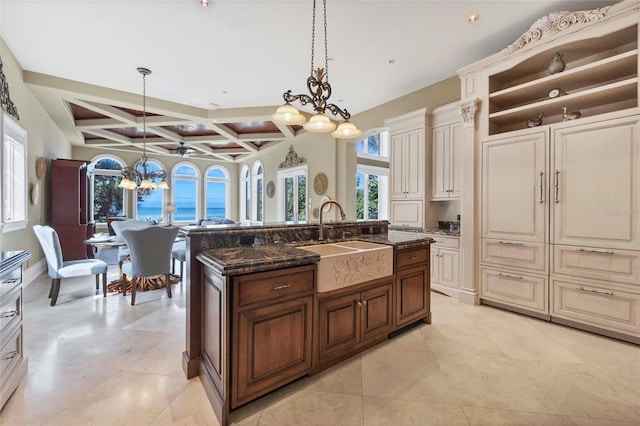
183 150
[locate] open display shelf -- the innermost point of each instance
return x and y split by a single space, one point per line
601 76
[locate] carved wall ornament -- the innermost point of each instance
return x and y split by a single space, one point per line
554 23
468 112
5 100
536 121
292 159
557 63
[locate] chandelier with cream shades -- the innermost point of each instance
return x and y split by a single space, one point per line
144 180
320 92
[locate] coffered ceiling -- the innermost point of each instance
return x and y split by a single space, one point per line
220 71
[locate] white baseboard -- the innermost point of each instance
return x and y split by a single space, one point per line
33 272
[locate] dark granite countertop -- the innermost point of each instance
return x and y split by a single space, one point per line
437 231
256 258
247 259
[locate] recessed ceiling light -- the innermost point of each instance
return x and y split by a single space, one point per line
473 18
205 3
391 61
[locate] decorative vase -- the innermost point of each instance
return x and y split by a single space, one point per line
535 122
557 64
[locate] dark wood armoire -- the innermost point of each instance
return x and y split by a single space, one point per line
70 207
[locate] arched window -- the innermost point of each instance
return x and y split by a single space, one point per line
257 209
216 193
150 204
106 198
245 194
185 179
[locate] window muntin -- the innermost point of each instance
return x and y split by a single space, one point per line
245 194
14 175
292 194
185 189
150 204
372 192
374 146
107 199
216 193
257 209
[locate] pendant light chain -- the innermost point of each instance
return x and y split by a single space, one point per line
144 115
326 54
313 35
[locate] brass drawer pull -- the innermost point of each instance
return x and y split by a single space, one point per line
361 303
511 276
281 287
597 251
9 314
607 293
414 257
11 355
510 243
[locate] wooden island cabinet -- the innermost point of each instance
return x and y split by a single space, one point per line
256 320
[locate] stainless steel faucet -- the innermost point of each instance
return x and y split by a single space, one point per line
320 226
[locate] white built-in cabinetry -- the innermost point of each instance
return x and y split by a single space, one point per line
446 173
559 207
410 151
445 264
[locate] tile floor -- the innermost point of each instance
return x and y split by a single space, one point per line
96 361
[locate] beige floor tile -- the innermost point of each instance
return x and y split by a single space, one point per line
310 408
585 421
457 339
190 408
385 412
405 375
487 416
582 390
48 389
249 414
493 383
344 378
125 399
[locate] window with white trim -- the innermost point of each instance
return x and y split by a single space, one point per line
257 184
150 204
216 192
14 175
107 199
372 192
375 146
245 194
185 179
292 194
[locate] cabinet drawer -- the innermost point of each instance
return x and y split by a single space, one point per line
9 281
444 242
11 352
411 257
514 288
11 311
282 283
613 310
599 264
514 254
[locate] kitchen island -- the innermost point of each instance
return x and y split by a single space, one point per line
257 321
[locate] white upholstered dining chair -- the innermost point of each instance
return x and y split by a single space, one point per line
150 255
118 227
58 268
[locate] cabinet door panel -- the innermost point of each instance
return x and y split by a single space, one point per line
414 164
449 269
435 265
412 295
440 171
338 325
397 184
274 347
408 213
598 177
620 266
514 288
513 202
376 310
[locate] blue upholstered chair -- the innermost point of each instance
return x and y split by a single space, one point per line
150 255
118 227
59 269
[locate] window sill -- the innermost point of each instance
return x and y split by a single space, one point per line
13 226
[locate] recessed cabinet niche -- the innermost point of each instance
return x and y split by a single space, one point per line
601 76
